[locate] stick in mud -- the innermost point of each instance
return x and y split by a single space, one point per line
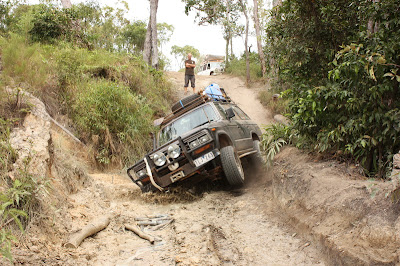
140 233
90 229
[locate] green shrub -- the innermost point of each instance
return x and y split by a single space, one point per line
50 24
121 120
277 106
60 73
357 112
342 97
273 139
237 67
303 36
24 63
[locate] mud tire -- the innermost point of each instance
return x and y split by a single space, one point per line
185 101
232 166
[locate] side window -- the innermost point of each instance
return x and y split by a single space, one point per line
210 113
240 113
221 110
226 106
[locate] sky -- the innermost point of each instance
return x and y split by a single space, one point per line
207 39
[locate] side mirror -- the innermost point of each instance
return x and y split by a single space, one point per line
229 113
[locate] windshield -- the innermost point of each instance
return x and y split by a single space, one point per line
189 121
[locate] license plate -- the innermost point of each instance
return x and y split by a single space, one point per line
204 158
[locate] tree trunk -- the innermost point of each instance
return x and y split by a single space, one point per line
66 3
258 34
154 46
231 44
242 4
150 52
373 26
228 32
227 51
147 46
272 61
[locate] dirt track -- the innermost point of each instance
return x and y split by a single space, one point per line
214 227
270 221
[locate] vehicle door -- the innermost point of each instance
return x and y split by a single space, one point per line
238 132
246 125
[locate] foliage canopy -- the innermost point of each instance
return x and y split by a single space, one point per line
342 76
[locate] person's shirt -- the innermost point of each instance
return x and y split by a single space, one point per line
189 70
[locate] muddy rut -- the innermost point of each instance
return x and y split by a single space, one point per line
213 226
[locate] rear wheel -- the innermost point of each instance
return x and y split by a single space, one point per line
232 166
257 159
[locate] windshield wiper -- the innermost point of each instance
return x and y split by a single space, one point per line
203 124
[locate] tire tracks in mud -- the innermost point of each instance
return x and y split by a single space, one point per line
217 226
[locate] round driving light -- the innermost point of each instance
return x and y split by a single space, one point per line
159 159
174 151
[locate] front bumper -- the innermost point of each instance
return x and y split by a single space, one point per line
183 167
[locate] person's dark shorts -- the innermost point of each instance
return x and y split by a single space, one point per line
192 81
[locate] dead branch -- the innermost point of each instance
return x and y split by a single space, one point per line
160 226
152 217
92 228
140 233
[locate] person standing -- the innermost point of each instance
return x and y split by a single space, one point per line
189 73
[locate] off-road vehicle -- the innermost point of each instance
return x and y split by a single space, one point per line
205 136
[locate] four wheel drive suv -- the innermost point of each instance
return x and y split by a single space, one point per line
203 137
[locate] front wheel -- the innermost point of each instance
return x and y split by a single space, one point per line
232 166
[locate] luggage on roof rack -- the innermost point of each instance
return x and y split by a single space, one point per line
192 101
216 93
185 102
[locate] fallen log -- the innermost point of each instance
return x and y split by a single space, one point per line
92 228
140 233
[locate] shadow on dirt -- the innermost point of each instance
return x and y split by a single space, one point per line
184 194
254 176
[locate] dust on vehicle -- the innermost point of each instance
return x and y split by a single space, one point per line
205 137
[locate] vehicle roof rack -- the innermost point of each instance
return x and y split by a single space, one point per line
204 98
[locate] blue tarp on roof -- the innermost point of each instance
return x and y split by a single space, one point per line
214 92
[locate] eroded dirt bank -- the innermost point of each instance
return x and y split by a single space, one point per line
353 220
301 213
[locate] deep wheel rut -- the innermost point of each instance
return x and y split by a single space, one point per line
215 227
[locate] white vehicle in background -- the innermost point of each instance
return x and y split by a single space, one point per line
211 65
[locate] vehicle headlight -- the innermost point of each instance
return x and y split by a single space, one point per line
204 139
159 158
194 144
174 151
141 173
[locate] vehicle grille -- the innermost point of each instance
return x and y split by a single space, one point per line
194 137
140 166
